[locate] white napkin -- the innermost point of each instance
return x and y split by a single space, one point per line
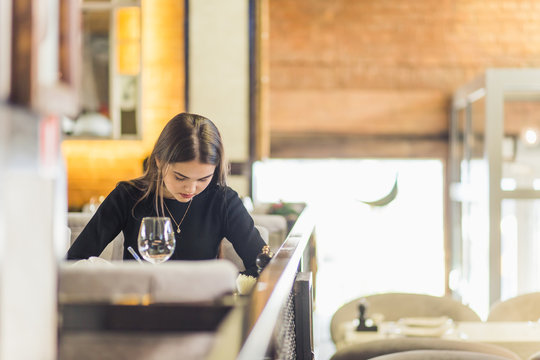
245 283
92 260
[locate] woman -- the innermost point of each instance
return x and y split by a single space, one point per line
185 179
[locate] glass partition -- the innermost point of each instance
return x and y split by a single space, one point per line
520 246
521 168
457 148
495 186
470 260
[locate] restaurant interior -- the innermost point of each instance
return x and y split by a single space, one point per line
388 152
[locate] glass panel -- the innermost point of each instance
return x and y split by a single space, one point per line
521 144
475 230
111 68
94 120
520 246
475 215
469 213
458 144
455 215
475 140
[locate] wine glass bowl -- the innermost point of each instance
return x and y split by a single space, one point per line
156 239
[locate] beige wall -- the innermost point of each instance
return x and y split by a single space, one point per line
219 73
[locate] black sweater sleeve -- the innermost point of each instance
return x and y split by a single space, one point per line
104 226
241 232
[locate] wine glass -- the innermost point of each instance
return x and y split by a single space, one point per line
156 239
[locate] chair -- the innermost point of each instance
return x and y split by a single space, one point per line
226 249
76 223
276 226
525 307
375 348
394 306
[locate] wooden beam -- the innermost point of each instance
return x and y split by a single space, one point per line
261 126
358 146
371 112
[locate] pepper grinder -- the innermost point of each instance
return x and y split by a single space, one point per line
263 258
362 326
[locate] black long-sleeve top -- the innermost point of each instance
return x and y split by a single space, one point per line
215 213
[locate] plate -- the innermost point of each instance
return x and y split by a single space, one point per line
424 332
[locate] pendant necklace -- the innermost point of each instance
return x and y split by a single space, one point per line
172 217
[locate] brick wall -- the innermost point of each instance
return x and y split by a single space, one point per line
373 67
95 166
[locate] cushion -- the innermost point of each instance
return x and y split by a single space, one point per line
439 355
371 349
174 281
76 223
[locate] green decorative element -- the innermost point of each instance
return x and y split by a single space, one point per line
283 208
387 199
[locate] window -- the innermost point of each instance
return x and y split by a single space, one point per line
364 249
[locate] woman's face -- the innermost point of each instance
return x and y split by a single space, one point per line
184 180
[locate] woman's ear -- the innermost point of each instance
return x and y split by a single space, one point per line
158 163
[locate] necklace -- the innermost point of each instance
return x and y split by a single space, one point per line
172 217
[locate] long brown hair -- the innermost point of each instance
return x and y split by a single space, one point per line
186 137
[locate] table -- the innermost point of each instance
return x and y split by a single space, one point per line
523 338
